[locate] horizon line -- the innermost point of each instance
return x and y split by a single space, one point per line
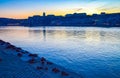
58 15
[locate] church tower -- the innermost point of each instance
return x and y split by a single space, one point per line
44 14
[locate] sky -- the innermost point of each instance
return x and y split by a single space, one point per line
25 8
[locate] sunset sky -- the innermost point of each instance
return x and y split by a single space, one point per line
25 8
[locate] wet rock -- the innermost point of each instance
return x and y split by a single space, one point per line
49 63
11 47
39 68
2 43
7 43
33 55
64 73
18 49
55 70
43 59
24 52
19 54
42 62
31 61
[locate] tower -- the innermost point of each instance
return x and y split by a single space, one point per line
103 13
44 14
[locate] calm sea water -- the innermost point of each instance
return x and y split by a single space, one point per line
90 51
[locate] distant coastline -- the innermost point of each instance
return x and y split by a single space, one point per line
76 19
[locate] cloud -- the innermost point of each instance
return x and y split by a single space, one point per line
106 9
78 9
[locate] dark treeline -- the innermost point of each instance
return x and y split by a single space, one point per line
76 19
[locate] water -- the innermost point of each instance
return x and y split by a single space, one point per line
90 51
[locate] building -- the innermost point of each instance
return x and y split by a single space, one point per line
44 14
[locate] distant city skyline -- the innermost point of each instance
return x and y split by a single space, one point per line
25 8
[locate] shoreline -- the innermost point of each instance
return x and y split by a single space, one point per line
42 67
104 26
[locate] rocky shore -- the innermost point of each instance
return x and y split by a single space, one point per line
18 63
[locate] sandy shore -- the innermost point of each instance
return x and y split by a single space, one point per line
18 63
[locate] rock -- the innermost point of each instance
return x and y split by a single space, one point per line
18 49
33 55
31 61
19 54
2 43
10 47
55 70
39 68
49 63
24 52
42 62
7 43
64 73
43 59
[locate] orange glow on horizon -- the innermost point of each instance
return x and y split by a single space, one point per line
57 13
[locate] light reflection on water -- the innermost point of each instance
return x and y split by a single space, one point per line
92 52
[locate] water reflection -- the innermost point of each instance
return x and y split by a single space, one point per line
44 33
63 34
90 49
93 36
